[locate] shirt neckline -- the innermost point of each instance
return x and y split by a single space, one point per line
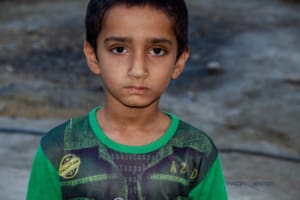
155 145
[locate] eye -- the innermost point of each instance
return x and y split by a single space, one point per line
158 51
119 50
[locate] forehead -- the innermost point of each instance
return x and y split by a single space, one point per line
145 20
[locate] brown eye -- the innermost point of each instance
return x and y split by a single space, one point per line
158 51
119 50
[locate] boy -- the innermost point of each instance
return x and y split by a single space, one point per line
128 148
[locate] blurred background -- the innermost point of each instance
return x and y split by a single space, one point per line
241 86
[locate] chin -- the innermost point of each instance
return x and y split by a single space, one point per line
139 104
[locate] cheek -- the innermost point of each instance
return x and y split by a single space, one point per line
161 79
111 77
110 67
163 73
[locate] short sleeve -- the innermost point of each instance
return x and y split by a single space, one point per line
44 181
212 186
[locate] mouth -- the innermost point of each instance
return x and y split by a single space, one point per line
136 89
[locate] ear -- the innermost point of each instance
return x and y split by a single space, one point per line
91 58
180 63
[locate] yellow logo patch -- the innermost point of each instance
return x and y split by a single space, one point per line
69 166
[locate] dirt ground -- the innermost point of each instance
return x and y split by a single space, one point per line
251 101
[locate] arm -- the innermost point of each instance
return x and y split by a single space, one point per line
44 181
212 187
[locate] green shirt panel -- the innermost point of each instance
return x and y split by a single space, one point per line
212 187
44 181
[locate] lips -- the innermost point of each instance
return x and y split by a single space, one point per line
136 89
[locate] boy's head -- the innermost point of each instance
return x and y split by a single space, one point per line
175 9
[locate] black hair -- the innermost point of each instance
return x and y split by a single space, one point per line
176 9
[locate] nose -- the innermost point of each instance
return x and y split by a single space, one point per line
138 68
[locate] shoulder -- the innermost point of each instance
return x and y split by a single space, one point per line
52 143
197 144
58 139
188 136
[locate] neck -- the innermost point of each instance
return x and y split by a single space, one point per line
131 125
128 116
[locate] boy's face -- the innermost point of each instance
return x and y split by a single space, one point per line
136 55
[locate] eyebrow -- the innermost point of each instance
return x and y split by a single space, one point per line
129 40
117 39
160 40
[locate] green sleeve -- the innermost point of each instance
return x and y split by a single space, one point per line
212 187
44 181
